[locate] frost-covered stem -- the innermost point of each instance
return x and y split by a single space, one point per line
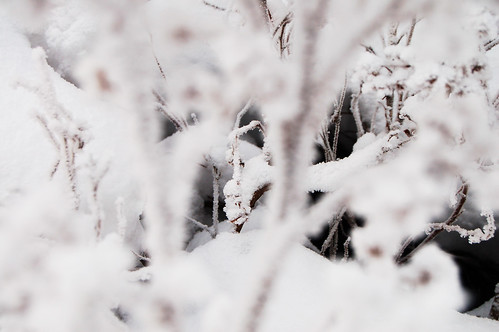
284 35
209 4
336 119
97 210
396 106
346 254
333 227
140 256
336 137
491 44
178 121
216 194
404 246
49 132
389 112
236 195
356 114
452 218
268 14
71 169
392 34
334 246
495 103
64 134
411 31
324 135
258 14
201 226
241 113
474 235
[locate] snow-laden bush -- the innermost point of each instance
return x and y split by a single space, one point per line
90 195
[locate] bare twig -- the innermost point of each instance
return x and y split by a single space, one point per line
96 179
216 194
284 34
60 126
411 31
202 226
491 44
452 218
476 235
141 257
236 198
268 14
346 254
336 119
324 136
178 121
214 6
356 114
333 227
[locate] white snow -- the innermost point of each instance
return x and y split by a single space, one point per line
80 160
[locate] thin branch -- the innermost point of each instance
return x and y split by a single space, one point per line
179 122
214 6
491 44
286 20
452 218
141 257
216 194
495 103
337 120
333 227
96 182
268 14
326 146
411 31
242 112
201 226
369 49
356 114
346 254
494 309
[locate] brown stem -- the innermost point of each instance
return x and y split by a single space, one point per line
452 218
411 31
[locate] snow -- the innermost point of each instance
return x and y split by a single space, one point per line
314 295
82 160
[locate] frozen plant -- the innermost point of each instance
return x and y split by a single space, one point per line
109 223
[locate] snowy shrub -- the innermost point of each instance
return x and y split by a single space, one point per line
109 221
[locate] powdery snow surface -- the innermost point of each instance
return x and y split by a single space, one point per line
90 189
311 294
